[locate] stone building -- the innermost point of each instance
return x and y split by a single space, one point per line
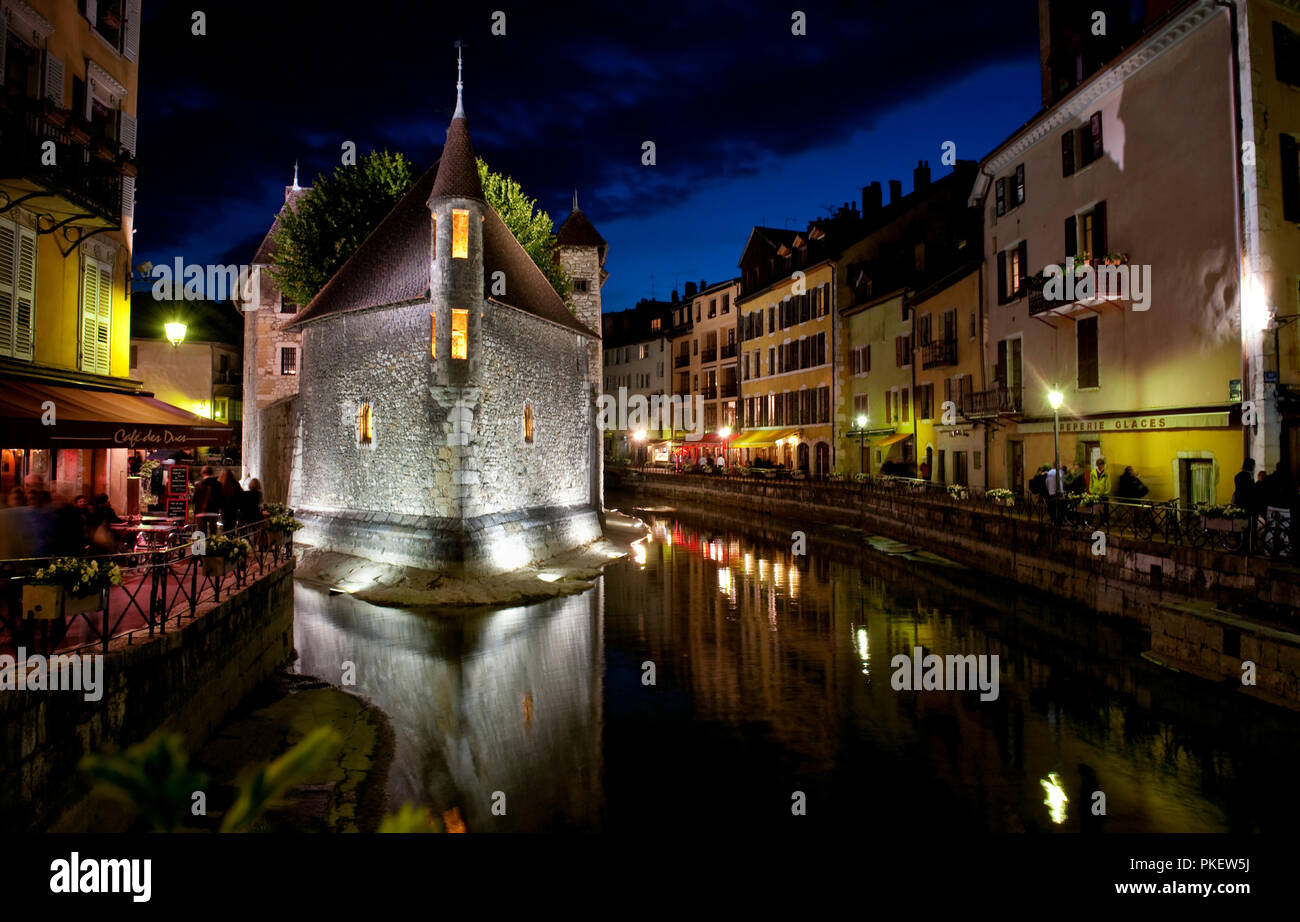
272 354
446 411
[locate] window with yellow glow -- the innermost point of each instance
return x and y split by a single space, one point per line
528 423
459 334
433 336
365 425
459 233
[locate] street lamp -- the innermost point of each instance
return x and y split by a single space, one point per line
175 332
861 422
639 436
725 433
1054 399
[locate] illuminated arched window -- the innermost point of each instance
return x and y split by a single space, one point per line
459 233
528 423
365 425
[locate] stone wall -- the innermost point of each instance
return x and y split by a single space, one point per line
185 681
278 427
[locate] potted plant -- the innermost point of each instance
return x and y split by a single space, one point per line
958 491
68 586
223 552
1002 496
1223 518
280 523
1082 259
861 477
1084 503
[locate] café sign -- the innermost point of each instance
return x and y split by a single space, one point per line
1152 422
151 437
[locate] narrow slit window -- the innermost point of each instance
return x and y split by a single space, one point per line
459 334
365 425
433 336
528 423
459 233
433 237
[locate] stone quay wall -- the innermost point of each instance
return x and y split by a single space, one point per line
185 681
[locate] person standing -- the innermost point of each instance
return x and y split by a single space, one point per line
232 501
1055 483
1130 485
1099 485
1244 487
207 501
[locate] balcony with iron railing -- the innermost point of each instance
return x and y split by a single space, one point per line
730 389
86 171
681 360
709 355
938 353
1106 281
999 400
709 392
729 351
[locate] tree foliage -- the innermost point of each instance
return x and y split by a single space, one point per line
532 226
331 220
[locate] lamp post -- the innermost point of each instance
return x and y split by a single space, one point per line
725 433
639 438
1055 398
175 331
861 422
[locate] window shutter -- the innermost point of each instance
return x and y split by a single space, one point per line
105 316
1000 194
1095 127
89 314
25 294
1000 373
1087 351
126 131
1002 278
1071 236
128 196
92 11
131 34
1099 231
1024 265
1290 177
8 273
1067 153
1020 184
54 79
868 358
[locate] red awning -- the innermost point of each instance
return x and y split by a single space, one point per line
84 418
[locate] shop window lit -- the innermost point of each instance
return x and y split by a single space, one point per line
365 425
459 233
459 334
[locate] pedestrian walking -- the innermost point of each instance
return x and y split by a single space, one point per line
232 501
207 501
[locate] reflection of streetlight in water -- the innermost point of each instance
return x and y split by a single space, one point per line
1056 799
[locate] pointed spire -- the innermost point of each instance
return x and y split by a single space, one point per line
460 85
575 199
295 175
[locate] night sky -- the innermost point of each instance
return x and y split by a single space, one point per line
752 124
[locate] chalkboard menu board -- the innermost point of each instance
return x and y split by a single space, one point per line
180 476
176 507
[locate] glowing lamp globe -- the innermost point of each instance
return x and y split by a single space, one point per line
175 332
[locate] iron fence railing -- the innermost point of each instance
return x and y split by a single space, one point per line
159 585
1270 533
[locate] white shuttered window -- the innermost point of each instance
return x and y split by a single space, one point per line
96 315
17 289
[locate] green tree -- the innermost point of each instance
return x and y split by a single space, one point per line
532 227
328 223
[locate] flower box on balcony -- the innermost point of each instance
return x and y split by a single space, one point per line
1222 523
51 602
214 566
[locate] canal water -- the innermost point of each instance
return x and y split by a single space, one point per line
714 680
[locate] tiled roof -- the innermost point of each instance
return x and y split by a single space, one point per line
392 265
578 231
458 173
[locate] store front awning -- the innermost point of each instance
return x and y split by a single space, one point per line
890 439
34 415
761 437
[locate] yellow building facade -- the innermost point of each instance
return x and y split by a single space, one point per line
786 351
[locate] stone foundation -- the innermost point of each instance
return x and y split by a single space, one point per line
481 546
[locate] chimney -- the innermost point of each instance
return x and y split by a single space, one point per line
870 199
921 175
690 291
674 295
895 190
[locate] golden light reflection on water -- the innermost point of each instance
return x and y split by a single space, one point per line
1056 799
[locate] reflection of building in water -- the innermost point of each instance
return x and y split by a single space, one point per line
506 701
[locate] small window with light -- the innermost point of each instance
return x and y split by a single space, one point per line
365 426
528 424
459 334
433 336
459 233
